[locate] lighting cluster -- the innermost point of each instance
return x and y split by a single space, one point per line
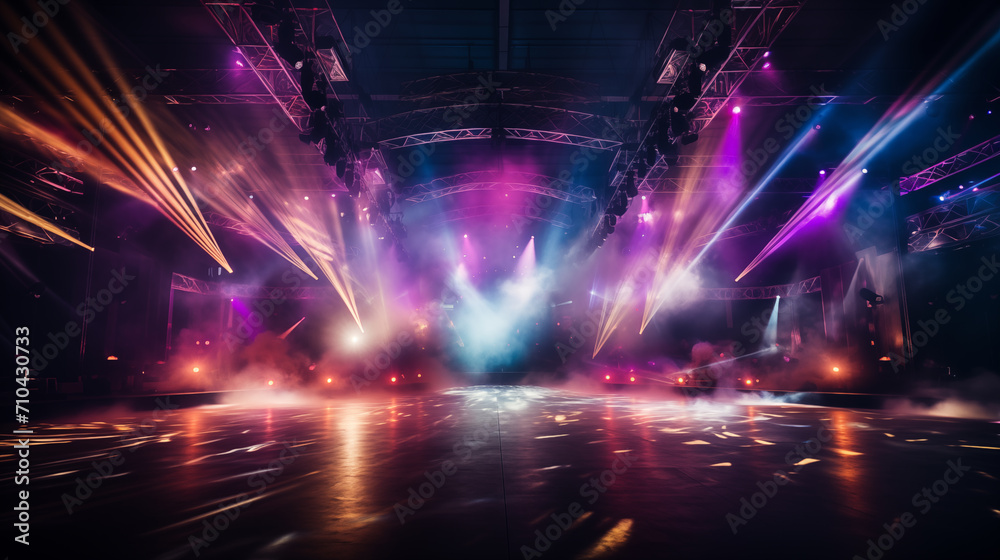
673 122
326 119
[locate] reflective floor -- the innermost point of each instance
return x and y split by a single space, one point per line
515 472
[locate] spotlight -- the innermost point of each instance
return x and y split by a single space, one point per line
737 110
836 369
822 171
195 369
193 168
871 297
270 382
630 188
329 380
285 46
865 171
679 124
767 54
941 198
767 65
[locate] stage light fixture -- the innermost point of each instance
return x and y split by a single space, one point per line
871 297
695 78
650 155
630 187
683 102
318 128
670 154
679 124
285 46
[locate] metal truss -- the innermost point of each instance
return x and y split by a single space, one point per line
35 186
477 121
27 230
528 87
758 23
232 224
808 286
184 283
769 223
255 44
488 180
241 227
764 21
557 219
951 166
972 216
315 20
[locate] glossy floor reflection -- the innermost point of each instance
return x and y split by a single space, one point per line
516 472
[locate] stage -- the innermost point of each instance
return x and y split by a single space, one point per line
513 472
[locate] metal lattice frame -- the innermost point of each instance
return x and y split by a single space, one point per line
315 19
35 186
763 22
973 216
487 180
255 44
528 122
808 286
951 166
183 283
